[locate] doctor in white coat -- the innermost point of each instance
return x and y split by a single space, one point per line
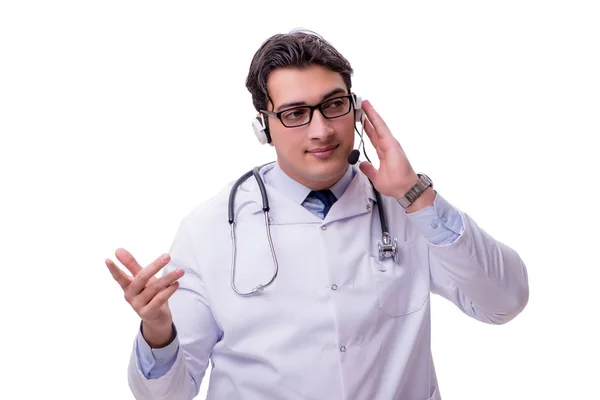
335 319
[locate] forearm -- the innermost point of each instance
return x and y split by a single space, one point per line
489 276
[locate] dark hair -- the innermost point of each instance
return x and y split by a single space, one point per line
297 49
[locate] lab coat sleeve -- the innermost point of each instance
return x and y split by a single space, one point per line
485 278
197 331
154 363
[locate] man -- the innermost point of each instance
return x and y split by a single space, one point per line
338 312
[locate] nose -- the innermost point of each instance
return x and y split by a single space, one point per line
319 127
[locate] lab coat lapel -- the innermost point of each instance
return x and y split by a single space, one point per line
358 199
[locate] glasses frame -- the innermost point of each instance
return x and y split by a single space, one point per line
311 111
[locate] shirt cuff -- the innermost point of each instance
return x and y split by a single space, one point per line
440 223
154 363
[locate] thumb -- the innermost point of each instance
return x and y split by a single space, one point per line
368 169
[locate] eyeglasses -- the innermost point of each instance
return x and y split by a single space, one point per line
299 116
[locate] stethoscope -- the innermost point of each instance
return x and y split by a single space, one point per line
388 247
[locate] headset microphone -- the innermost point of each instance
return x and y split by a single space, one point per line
353 157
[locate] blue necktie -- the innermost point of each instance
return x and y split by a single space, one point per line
326 197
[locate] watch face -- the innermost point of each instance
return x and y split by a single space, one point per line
426 179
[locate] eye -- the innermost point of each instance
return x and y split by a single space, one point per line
295 115
340 104
336 107
333 104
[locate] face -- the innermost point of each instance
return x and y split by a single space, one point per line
316 155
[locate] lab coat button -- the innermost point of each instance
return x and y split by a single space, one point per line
368 207
324 228
434 225
334 287
343 349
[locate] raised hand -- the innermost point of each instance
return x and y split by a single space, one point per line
148 295
395 175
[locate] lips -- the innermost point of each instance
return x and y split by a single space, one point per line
323 149
323 152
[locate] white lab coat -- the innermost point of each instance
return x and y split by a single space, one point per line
366 338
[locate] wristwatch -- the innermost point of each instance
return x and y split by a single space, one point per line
423 183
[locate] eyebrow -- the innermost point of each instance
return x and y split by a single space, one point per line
302 103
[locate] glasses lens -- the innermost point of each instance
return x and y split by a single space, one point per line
295 116
336 107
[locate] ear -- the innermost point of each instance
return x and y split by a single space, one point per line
358 112
261 130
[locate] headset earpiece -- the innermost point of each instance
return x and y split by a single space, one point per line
260 129
358 112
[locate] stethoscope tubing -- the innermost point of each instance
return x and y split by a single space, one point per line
387 248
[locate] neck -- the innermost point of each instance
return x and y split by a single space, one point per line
313 184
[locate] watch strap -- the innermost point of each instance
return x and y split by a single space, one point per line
417 190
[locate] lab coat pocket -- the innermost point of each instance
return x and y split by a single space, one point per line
401 286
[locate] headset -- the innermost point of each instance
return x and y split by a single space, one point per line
261 128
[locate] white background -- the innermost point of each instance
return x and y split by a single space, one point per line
118 117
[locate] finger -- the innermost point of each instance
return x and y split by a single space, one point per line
368 124
157 302
368 169
147 274
371 133
375 119
159 284
118 274
128 261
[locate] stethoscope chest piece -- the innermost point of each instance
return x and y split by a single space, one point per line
388 248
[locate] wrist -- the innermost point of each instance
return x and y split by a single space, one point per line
425 200
406 186
158 336
418 195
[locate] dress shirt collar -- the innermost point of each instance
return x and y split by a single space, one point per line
297 191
